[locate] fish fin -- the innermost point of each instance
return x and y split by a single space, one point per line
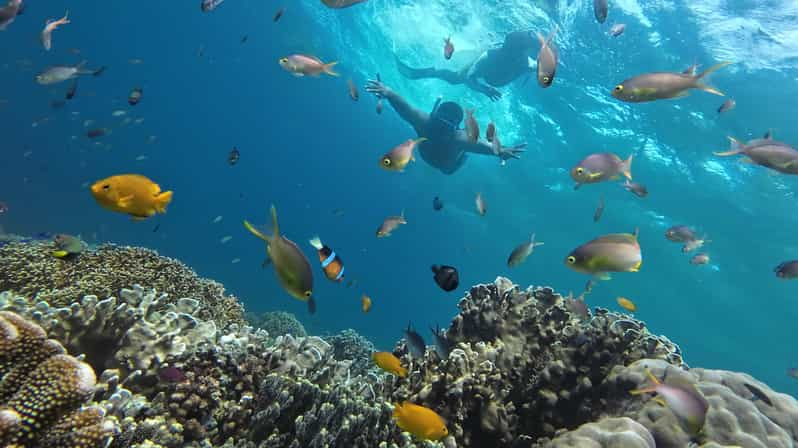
137 218
646 390
316 242
577 186
737 148
258 233
768 135
708 89
636 267
275 224
603 276
124 202
402 215
626 168
550 37
162 201
661 401
420 140
594 175
328 68
60 253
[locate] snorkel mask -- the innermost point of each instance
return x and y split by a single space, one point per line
445 119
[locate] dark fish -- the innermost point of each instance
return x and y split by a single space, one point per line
447 277
599 210
278 14
638 189
157 226
547 60
437 204
448 48
210 5
442 345
98 132
244 38
70 93
600 8
171 375
787 270
340 4
680 234
758 394
135 96
415 343
727 106
233 157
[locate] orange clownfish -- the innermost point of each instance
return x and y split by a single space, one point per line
331 263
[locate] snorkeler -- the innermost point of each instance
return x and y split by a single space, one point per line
447 145
494 68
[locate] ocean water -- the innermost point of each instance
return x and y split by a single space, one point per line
310 150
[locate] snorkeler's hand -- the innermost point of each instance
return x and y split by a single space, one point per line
512 152
379 89
492 93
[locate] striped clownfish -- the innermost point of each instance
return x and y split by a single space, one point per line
331 263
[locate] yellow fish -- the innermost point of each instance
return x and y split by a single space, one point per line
132 194
365 303
420 421
389 363
627 304
398 158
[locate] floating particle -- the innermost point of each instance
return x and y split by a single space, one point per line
225 239
217 219
235 260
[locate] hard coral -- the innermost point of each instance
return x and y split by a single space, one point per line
523 365
277 323
349 344
44 391
29 269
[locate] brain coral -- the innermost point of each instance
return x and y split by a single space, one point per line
28 268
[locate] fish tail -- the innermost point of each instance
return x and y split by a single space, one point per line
653 388
275 224
162 201
60 253
706 88
328 68
316 242
257 233
402 215
626 168
550 37
737 147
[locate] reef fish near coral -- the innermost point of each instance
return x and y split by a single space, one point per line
66 245
290 264
617 252
420 421
415 343
132 194
683 399
389 363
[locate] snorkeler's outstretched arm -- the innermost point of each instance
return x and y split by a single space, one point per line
413 116
485 148
491 92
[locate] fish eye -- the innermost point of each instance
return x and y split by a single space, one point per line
107 187
580 170
546 79
308 293
571 259
386 161
284 60
619 87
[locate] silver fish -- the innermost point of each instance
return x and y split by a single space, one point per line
617 29
61 73
547 60
638 189
522 252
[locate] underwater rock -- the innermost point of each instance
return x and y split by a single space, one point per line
44 392
277 323
606 433
29 269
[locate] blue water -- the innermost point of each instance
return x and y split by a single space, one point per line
307 148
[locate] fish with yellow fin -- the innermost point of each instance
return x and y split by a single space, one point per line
682 398
67 245
290 264
616 252
133 194
398 158
389 363
420 421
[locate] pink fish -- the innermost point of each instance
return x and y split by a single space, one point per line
683 399
304 65
49 27
340 4
448 47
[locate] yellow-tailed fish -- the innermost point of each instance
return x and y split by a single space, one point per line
390 224
306 65
663 85
66 245
132 194
617 252
398 158
522 251
601 167
420 421
389 363
290 264
627 304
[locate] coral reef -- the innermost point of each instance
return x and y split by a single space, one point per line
28 269
277 323
125 333
349 344
607 433
523 365
43 392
